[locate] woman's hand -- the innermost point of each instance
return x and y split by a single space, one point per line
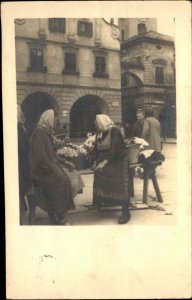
101 165
94 165
70 165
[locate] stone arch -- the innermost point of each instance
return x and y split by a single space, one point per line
28 90
34 105
136 80
85 92
83 112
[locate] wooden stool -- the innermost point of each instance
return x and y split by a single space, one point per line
149 173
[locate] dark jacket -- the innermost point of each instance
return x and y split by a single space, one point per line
137 129
116 150
23 161
47 172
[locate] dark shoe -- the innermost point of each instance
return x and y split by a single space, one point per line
53 220
61 220
124 219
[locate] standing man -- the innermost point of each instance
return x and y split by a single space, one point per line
152 130
138 126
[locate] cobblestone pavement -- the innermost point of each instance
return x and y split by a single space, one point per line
158 213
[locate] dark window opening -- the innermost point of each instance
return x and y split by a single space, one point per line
159 75
100 64
36 60
70 63
57 25
141 28
85 28
100 67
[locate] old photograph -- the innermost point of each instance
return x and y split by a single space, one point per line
97 149
96 120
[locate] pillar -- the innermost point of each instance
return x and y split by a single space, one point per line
97 32
71 29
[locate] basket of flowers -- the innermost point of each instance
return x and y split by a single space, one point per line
74 154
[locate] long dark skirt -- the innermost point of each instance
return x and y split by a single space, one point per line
54 193
111 185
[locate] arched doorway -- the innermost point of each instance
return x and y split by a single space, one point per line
83 114
34 105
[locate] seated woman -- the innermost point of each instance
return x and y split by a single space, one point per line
111 170
47 172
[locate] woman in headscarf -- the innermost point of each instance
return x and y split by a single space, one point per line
47 172
111 170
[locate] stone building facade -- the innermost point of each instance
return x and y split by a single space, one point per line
70 65
147 72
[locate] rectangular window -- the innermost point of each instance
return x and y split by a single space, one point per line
36 59
70 62
159 75
100 65
141 27
85 28
57 25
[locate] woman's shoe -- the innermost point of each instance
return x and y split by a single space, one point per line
53 219
124 219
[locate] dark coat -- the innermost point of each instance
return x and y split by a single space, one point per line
137 129
25 182
47 172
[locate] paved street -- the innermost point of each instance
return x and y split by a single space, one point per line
158 213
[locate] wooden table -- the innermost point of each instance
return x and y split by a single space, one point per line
149 172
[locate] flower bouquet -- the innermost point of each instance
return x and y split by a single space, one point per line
58 143
90 143
67 152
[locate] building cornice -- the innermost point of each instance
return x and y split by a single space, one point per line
63 44
67 86
147 89
140 39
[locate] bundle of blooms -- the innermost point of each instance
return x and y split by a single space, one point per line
90 142
137 141
67 152
58 143
71 150
81 151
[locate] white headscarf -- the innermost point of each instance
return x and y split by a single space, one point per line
47 119
104 122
